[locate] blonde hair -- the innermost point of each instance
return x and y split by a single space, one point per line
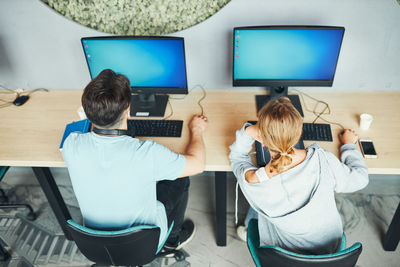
281 127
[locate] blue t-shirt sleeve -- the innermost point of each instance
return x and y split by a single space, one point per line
168 165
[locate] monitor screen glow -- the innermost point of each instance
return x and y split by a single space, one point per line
286 54
148 63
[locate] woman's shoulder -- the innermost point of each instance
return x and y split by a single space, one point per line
314 146
323 156
317 148
314 149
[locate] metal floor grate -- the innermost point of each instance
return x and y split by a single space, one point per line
37 246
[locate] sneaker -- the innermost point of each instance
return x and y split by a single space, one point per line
166 252
241 231
185 235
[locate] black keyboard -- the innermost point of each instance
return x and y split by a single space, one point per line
317 132
155 128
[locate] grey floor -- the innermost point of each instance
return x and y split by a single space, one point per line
365 215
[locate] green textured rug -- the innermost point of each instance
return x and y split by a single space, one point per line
137 17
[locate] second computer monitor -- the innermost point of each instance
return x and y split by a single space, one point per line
282 56
155 67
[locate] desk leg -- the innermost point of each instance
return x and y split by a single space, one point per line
392 236
54 197
220 202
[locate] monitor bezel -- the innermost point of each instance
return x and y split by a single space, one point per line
284 82
143 89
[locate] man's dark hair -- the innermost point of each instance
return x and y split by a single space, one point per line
106 97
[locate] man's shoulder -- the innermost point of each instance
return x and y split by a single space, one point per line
123 144
75 137
71 139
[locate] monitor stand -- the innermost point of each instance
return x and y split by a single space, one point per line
148 105
276 92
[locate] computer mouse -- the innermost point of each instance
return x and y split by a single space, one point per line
19 101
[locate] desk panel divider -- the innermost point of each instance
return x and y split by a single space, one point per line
392 236
220 203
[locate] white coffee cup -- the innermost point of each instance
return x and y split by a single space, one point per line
365 121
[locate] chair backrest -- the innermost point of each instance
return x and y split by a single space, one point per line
3 170
133 246
272 256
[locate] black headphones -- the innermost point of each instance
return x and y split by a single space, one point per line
112 131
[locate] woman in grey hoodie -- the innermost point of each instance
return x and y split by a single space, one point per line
294 194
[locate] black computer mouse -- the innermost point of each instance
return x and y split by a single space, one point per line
19 101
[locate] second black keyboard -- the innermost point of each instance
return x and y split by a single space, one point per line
317 132
155 128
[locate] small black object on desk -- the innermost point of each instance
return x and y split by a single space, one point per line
20 100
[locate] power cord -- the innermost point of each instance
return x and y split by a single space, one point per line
202 98
172 110
18 93
181 98
6 103
35 90
316 113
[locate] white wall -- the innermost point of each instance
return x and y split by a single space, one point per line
40 48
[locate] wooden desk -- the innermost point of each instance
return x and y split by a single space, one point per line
30 134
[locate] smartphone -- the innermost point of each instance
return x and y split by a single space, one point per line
368 149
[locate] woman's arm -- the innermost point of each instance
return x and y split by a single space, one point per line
239 156
351 172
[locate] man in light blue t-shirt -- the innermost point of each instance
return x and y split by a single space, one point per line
120 181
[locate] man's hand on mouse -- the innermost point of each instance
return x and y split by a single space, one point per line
348 136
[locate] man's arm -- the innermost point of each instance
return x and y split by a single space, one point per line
195 153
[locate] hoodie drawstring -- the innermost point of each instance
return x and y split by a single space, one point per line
236 203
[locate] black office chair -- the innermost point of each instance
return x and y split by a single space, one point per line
135 246
4 255
272 256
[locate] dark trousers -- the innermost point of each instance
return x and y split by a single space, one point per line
174 195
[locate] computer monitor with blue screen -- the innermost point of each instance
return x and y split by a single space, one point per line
155 67
282 56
